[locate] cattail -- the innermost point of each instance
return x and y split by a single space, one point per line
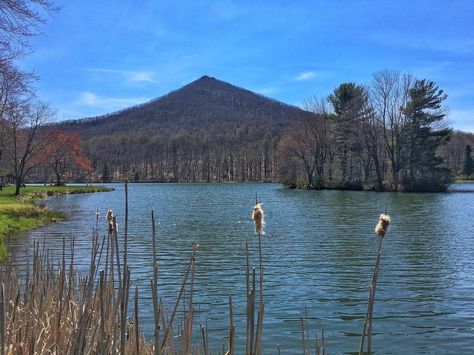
110 220
382 226
257 217
97 214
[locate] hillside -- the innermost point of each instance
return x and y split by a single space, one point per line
208 130
206 102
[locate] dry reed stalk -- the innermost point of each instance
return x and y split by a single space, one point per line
168 329
117 252
322 343
126 280
303 337
258 217
231 329
252 313
102 336
189 315
135 324
261 305
204 340
247 283
125 240
381 229
2 319
154 287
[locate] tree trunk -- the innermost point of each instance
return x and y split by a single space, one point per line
58 180
18 184
395 175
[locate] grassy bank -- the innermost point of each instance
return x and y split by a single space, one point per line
463 180
19 213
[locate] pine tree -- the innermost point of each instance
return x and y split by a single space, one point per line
468 165
349 102
424 134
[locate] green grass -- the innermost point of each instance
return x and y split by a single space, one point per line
19 213
463 180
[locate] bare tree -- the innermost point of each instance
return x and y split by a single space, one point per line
14 85
389 93
24 138
20 20
305 148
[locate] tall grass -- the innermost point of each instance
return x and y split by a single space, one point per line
55 309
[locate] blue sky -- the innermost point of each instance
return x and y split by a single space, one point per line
95 57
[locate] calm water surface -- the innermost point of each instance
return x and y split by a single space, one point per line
319 251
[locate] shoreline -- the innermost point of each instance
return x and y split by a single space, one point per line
20 213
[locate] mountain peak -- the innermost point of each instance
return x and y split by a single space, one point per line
208 81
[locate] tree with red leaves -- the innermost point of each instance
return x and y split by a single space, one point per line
65 151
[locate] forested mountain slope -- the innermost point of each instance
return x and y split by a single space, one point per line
208 130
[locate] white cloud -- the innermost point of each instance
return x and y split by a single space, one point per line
139 77
307 75
108 103
131 76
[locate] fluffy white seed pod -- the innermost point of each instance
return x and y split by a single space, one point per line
110 215
258 218
382 226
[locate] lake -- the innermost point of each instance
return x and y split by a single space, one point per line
319 251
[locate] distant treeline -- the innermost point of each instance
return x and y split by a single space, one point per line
184 157
389 135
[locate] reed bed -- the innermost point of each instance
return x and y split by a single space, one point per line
56 310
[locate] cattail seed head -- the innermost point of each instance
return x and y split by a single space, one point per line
258 218
97 214
382 226
110 215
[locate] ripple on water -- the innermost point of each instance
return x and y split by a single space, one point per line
319 252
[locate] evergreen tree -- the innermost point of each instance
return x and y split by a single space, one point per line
423 135
468 165
349 101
